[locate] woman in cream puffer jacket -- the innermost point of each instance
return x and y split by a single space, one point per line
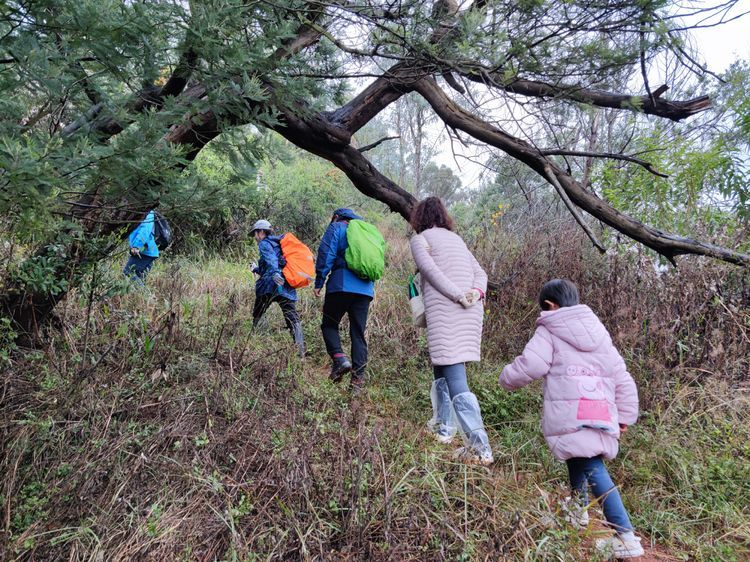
453 286
449 270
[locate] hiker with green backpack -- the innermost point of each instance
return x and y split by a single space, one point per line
351 257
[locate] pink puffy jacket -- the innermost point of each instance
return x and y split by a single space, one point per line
587 388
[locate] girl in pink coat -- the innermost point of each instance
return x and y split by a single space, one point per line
589 400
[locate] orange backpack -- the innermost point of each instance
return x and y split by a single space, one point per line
299 270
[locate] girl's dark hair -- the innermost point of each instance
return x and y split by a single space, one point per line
430 213
559 291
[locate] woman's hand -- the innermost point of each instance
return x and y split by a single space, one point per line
473 296
623 428
465 302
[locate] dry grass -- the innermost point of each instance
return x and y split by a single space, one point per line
171 432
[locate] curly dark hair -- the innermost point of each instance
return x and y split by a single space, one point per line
430 213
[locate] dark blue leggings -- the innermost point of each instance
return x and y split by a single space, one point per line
454 375
355 306
584 472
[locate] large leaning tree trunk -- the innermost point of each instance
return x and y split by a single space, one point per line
491 48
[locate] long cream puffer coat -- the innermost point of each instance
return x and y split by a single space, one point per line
448 271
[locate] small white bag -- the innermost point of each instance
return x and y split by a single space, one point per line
416 302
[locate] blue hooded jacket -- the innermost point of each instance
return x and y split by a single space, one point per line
270 263
143 237
331 265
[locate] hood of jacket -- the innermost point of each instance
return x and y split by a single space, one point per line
347 214
575 325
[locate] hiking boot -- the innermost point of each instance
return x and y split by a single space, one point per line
575 514
357 384
470 455
617 547
356 389
341 366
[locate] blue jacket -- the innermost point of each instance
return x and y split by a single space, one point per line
268 265
331 265
143 237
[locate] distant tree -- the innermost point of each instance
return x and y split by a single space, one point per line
414 117
442 182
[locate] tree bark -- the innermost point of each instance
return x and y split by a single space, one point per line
105 125
648 104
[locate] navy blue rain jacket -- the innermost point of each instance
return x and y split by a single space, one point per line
270 263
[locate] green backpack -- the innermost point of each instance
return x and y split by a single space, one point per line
365 255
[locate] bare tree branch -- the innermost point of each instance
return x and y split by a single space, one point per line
377 143
393 84
668 245
573 209
674 110
592 154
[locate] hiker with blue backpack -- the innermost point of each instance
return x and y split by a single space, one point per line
151 235
351 257
271 285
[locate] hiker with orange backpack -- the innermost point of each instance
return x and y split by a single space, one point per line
273 270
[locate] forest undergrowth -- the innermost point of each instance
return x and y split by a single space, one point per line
154 425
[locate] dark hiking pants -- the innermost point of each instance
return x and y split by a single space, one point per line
288 309
356 306
138 267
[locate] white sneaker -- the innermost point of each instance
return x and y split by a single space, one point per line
445 439
575 514
469 455
615 547
441 432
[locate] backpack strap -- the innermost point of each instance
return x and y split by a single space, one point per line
276 241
